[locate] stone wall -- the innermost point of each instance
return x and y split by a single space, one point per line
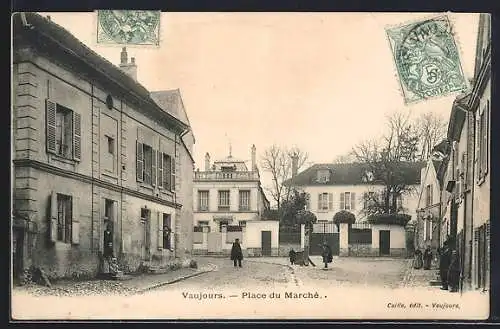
257 252
362 250
366 250
284 248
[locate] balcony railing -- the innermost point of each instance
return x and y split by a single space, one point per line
217 175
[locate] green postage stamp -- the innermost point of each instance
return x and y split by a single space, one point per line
427 59
128 27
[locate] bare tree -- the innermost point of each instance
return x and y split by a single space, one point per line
277 160
431 128
385 160
344 158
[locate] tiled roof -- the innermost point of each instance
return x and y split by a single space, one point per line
171 101
457 117
63 39
351 174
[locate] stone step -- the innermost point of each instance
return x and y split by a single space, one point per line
158 270
120 276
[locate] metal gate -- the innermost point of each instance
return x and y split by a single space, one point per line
324 232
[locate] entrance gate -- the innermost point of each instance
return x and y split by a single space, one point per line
322 232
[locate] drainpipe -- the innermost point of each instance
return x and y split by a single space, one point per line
473 137
176 247
92 161
121 181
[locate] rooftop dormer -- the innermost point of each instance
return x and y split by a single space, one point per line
323 175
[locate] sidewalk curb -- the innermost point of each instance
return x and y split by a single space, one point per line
182 278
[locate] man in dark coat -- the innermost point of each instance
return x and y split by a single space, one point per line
108 242
444 265
293 256
427 258
236 253
454 271
327 255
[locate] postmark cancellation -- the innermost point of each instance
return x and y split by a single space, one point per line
128 27
427 59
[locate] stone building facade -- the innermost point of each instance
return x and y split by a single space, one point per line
92 149
229 203
466 167
427 226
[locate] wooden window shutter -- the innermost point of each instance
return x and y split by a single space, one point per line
102 226
486 137
342 199
53 217
50 108
167 175
172 180
478 146
330 201
139 159
320 204
77 136
308 201
149 230
75 221
153 167
160 230
353 200
172 235
160 169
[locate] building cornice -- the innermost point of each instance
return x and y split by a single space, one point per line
90 180
482 78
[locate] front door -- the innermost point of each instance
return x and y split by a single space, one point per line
266 243
385 242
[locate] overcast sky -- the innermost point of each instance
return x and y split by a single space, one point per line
319 81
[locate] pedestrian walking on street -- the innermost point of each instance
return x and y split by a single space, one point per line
236 254
454 272
427 258
444 265
327 255
293 256
418 262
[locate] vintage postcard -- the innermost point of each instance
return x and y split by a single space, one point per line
181 166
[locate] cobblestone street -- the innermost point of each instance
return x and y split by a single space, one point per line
264 287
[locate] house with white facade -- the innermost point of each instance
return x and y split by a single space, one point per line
229 204
331 188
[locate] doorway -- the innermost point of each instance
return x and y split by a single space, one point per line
266 243
146 241
17 249
385 242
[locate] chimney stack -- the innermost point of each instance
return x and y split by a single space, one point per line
254 162
125 66
123 55
295 164
207 162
